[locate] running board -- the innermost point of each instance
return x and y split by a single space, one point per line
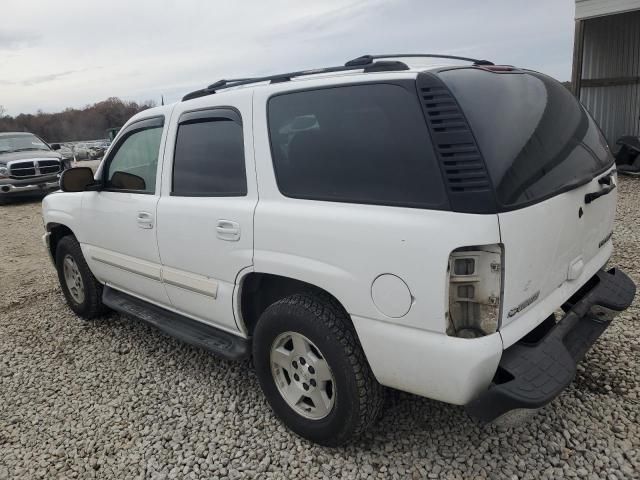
212 339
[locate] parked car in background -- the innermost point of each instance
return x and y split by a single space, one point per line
81 151
66 151
97 149
444 231
28 165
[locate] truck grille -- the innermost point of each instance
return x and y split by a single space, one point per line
33 168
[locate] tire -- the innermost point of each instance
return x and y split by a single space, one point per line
89 304
353 397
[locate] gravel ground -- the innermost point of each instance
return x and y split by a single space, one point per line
115 398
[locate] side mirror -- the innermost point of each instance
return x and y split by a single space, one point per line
76 179
55 146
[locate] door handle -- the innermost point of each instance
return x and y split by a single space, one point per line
145 220
228 230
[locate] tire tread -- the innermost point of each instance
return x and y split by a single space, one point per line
338 324
93 306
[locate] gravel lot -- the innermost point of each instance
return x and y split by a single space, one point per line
115 398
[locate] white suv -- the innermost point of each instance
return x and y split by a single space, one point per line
357 227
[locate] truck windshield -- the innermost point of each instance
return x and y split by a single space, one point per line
22 142
536 138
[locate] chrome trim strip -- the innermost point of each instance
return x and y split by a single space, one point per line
126 269
192 282
191 289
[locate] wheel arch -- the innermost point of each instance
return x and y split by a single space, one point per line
56 232
258 290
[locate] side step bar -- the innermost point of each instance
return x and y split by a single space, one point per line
216 341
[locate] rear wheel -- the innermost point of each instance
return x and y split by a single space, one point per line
313 371
81 289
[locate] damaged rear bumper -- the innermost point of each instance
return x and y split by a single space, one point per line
535 370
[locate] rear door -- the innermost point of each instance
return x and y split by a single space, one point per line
545 155
205 213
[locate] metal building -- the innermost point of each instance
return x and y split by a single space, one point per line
606 64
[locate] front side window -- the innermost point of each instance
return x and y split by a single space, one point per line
357 144
209 159
134 165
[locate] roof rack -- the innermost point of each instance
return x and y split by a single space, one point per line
367 63
366 59
285 77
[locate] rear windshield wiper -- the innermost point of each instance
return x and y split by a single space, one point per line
607 180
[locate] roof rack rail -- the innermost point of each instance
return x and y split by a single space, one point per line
367 59
371 66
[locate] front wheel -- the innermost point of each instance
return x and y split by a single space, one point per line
313 371
81 289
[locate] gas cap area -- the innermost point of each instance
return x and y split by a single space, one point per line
391 295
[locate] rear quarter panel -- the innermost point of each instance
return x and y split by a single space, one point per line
343 247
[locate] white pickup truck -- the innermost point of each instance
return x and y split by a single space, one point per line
356 227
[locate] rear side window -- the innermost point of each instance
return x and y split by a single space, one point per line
535 137
209 159
357 144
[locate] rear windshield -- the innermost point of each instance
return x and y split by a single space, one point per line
356 144
535 137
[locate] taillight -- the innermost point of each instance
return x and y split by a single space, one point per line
475 291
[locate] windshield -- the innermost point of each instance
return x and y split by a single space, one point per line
536 138
18 143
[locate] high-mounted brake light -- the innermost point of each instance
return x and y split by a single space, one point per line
475 291
497 68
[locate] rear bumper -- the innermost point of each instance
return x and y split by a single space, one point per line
530 375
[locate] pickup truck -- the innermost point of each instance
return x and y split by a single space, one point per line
28 165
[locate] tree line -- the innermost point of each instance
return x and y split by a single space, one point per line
89 123
74 124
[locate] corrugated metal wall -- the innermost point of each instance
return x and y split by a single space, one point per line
612 50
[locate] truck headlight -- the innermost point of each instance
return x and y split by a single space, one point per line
4 171
475 291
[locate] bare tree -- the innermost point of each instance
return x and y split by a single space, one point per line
72 124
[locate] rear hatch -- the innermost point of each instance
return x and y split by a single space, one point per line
545 156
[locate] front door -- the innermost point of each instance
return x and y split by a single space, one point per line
119 241
205 212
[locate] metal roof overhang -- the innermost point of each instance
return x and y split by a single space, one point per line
600 8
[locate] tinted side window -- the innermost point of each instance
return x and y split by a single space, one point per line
134 164
209 159
534 135
358 144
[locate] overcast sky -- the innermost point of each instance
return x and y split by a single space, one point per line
70 53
